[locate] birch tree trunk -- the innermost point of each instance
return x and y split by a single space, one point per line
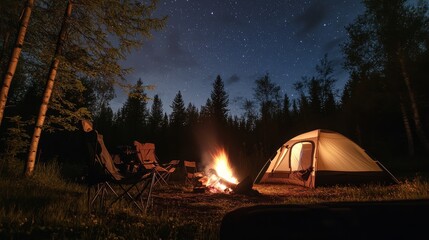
16 53
47 93
415 111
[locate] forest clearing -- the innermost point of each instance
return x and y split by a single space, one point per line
48 206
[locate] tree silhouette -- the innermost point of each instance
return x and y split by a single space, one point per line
326 81
267 94
178 114
156 114
219 101
192 115
386 41
135 113
177 127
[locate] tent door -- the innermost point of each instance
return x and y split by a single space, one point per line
301 159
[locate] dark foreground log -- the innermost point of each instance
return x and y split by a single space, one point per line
336 220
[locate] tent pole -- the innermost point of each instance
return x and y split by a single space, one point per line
260 171
385 169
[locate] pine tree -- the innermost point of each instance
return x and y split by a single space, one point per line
178 114
177 131
104 119
165 121
156 114
192 115
219 101
286 106
135 112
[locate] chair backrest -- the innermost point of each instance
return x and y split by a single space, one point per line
146 152
101 165
190 168
190 164
174 162
107 160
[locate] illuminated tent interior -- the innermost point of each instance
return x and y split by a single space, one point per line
320 158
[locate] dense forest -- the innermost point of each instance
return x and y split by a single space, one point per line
59 62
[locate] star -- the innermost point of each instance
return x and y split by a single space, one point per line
241 38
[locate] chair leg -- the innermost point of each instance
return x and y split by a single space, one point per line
150 193
125 192
189 181
160 179
98 195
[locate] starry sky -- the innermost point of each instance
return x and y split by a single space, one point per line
240 40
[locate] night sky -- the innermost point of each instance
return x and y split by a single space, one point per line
241 41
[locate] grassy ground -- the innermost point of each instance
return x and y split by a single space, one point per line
49 206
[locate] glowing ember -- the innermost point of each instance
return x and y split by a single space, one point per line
219 179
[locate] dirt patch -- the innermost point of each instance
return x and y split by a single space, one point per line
180 201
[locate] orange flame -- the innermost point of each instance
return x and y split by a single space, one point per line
221 165
223 170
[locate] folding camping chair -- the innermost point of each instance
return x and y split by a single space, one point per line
104 177
146 154
191 172
170 167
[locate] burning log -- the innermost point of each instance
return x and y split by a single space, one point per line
243 187
227 183
218 184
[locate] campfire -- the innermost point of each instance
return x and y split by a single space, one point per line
220 177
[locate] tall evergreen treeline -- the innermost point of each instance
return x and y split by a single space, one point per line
384 106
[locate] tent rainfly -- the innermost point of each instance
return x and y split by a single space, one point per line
322 158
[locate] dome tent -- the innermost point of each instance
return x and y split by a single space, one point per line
322 157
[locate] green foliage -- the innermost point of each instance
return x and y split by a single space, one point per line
99 36
16 139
